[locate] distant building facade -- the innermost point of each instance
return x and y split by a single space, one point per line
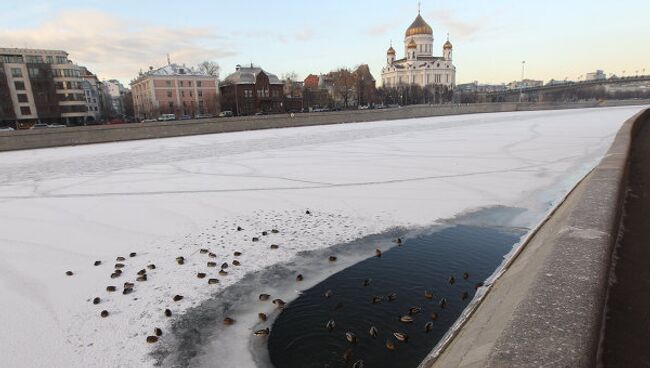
41 86
419 66
251 90
526 83
92 88
597 75
116 94
174 89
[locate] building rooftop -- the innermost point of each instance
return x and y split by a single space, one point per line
248 75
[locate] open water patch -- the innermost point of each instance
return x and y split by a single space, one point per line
448 262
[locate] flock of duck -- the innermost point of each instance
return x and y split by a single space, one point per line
352 338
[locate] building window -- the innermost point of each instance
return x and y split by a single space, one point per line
25 110
34 72
15 59
16 72
198 83
20 86
49 59
22 97
171 106
182 92
190 93
189 83
168 83
199 92
169 94
61 60
34 59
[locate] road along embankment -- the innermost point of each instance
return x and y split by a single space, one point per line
547 307
43 138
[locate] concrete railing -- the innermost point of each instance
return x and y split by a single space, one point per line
41 138
547 307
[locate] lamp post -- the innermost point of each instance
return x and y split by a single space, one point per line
523 64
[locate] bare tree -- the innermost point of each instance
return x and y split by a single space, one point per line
210 68
290 76
344 84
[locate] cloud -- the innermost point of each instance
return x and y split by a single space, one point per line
381 29
301 34
113 47
460 29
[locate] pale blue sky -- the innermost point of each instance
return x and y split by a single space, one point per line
117 38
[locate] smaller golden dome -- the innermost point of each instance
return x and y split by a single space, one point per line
391 51
447 45
412 45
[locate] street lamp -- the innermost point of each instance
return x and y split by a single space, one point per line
523 64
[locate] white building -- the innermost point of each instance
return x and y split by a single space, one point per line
419 66
597 75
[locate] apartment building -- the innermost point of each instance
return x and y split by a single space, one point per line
40 86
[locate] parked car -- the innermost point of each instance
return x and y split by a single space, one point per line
225 114
149 120
167 117
40 126
185 117
56 126
6 129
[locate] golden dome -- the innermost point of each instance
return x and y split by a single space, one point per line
447 45
412 45
391 51
419 27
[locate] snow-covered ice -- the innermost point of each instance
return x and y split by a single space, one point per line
63 208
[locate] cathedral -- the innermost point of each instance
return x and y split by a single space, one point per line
419 66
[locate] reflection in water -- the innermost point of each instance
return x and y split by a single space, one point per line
434 262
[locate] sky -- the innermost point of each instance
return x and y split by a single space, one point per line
117 39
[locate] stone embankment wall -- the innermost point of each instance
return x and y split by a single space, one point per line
547 308
41 138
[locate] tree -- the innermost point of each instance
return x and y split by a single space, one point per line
290 76
344 84
210 68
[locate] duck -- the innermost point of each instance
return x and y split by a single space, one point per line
228 321
358 364
168 313
392 297
414 310
141 278
332 258
200 275
452 280
347 356
367 282
142 272
329 293
262 332
180 260
157 331
428 294
114 275
239 228
279 303
111 288
204 251
275 231
376 299
212 264
224 265
406 319
104 313
330 325
236 263
299 277
255 239
132 254
465 275
390 344
373 331
213 281
401 336
351 337
262 316
212 255
398 240
308 212
96 300
464 296
377 252
152 339
237 254
428 327
118 271
119 265
177 298
264 297
434 316
265 233
151 266
129 284
120 259
274 246
223 272
443 302
97 263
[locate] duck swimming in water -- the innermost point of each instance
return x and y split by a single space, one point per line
377 252
406 319
401 336
358 364
376 299
262 332
451 280
262 316
443 302
414 310
465 295
390 344
351 337
239 228
373 331
392 297
367 282
279 303
428 327
329 293
465 275
299 277
264 297
428 294
434 316
228 321
330 325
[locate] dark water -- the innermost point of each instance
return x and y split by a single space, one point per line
299 338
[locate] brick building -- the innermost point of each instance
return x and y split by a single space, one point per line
40 86
174 89
250 90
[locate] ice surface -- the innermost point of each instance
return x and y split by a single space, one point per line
63 208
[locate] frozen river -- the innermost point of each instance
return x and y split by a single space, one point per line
62 209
